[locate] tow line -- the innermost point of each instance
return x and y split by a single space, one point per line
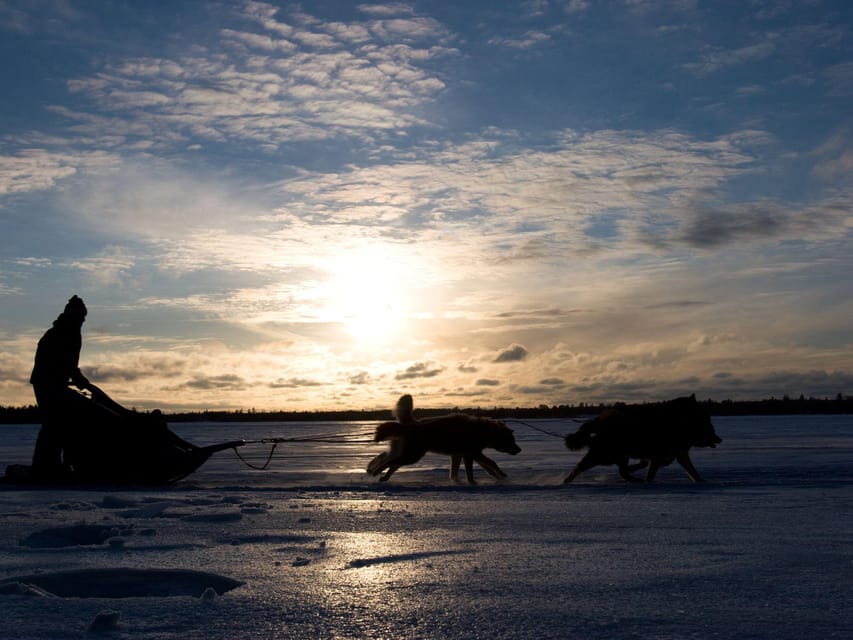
344 438
328 438
545 431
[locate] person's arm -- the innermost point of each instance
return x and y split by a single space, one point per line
79 380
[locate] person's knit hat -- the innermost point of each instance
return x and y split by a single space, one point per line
75 307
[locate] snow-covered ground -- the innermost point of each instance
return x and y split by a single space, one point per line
762 549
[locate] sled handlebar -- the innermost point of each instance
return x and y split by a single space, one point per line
100 396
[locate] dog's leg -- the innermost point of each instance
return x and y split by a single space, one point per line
642 464
490 466
684 461
586 463
625 471
378 463
400 453
654 465
469 469
455 459
388 473
395 450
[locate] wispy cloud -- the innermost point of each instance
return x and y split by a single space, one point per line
515 194
109 267
279 83
527 40
717 59
294 383
41 169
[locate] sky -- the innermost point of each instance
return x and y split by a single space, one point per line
321 205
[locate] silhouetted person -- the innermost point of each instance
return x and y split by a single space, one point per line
56 367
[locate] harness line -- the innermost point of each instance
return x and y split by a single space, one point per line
252 466
329 438
535 428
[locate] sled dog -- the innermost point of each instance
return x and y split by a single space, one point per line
656 434
461 436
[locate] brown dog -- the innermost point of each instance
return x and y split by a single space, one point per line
458 435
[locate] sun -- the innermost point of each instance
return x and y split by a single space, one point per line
366 293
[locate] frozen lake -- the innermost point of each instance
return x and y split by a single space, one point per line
762 549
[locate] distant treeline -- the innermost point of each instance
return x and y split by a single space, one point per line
773 406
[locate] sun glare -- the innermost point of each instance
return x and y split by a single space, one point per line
367 295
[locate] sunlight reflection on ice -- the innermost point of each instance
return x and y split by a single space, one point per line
365 552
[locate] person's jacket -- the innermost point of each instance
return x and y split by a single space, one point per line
58 355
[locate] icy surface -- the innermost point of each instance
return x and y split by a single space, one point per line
763 549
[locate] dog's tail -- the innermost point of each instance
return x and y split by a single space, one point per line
582 438
404 409
389 431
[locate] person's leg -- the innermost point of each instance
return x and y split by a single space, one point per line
47 455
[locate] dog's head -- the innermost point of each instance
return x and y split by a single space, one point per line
502 438
696 421
703 434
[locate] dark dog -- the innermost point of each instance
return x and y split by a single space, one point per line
656 434
458 435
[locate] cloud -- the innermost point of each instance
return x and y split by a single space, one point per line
227 381
465 394
109 268
577 6
467 367
409 29
386 9
258 41
271 83
6 290
836 168
40 169
713 228
487 382
30 17
293 383
150 200
527 40
717 59
535 8
137 368
533 203
419 370
531 390
14 368
512 353
705 228
140 370
360 378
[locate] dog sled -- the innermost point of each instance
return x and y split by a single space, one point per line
112 445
